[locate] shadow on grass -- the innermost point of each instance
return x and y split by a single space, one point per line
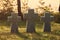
30 36
22 35
56 32
39 34
5 33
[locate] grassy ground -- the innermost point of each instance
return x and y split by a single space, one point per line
39 35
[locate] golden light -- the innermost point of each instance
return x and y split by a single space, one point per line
34 4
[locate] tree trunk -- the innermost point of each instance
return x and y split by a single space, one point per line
19 9
59 8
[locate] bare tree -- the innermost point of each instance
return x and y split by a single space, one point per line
19 9
59 8
6 9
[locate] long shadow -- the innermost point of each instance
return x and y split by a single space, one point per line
39 34
56 33
36 36
3 33
22 35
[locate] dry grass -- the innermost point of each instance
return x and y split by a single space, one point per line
22 35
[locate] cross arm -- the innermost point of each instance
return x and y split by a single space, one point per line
18 18
24 16
42 18
36 17
52 18
9 18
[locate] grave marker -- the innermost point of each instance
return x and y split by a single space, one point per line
14 19
47 18
31 17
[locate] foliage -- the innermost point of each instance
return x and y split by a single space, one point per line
43 8
6 9
57 17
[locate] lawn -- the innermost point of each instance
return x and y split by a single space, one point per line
22 35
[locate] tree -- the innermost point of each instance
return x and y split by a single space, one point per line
19 9
57 16
6 9
59 8
42 7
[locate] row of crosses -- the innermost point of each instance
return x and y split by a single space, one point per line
30 18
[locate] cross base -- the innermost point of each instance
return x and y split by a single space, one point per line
14 28
32 30
47 29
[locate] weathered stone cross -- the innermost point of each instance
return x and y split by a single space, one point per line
31 18
47 19
14 19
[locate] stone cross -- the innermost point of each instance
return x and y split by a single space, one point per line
31 18
14 19
47 18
